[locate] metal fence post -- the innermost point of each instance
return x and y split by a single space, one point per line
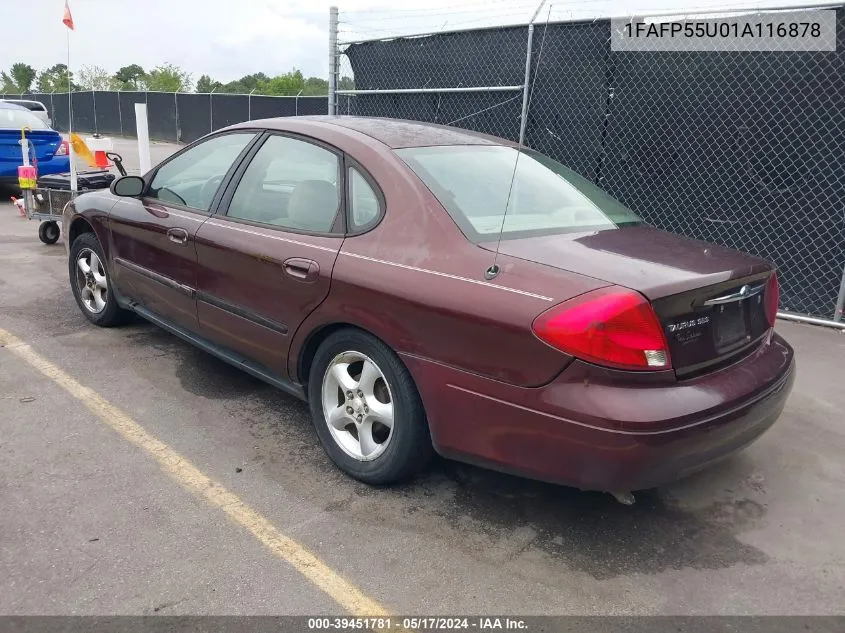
119 113
523 118
94 101
176 106
332 60
211 111
249 105
526 86
840 301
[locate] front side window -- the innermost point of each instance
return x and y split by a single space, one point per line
477 183
192 178
291 184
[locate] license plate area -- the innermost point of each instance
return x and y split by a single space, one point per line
731 325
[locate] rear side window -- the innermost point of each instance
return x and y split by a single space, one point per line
290 184
477 183
363 201
16 119
192 178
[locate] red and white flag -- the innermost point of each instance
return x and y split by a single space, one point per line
67 20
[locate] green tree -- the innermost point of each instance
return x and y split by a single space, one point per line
288 84
7 84
168 78
95 78
244 85
54 79
346 83
314 86
130 77
207 84
19 79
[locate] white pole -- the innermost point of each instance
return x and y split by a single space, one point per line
143 137
73 183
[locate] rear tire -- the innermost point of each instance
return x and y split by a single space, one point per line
91 283
379 433
48 232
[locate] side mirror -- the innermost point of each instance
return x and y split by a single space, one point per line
128 186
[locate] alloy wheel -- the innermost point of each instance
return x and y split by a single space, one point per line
357 405
91 281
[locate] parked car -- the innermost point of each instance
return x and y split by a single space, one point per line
49 149
36 107
425 287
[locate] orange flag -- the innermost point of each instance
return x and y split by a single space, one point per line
68 19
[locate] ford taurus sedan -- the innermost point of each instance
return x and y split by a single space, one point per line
427 289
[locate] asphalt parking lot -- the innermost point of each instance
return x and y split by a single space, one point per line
96 518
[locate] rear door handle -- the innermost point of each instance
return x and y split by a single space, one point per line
178 236
304 270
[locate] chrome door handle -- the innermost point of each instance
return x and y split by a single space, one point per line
178 236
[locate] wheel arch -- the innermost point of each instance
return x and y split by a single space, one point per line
313 341
78 226
300 366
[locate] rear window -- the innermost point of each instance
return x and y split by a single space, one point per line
35 106
17 119
477 183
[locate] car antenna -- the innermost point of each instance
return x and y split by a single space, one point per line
493 271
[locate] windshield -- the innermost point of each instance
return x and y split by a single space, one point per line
12 118
473 183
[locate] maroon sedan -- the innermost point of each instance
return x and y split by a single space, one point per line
428 288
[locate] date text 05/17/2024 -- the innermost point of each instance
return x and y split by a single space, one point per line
420 623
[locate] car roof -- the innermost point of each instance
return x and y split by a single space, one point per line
8 105
395 133
26 102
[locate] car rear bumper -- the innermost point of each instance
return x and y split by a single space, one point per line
599 429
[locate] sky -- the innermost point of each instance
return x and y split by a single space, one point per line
227 39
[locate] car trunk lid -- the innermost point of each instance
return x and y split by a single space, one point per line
45 143
709 299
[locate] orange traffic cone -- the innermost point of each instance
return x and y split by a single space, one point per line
101 160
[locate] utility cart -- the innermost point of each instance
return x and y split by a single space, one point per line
46 202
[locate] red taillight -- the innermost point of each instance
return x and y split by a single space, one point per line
62 150
772 297
613 326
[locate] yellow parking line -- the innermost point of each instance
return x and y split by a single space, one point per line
306 563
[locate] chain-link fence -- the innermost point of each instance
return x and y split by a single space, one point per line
746 149
180 117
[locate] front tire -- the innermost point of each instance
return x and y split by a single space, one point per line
91 283
366 409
